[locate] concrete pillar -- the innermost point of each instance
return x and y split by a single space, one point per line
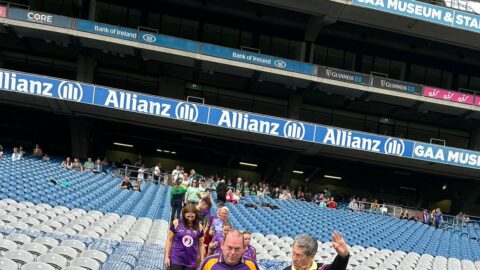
86 68
474 143
92 9
294 106
81 135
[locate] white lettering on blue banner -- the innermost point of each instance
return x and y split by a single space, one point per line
447 155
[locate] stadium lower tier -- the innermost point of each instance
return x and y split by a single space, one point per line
38 181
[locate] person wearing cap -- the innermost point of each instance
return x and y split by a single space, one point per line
231 255
305 247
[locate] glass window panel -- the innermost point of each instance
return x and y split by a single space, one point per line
446 80
134 16
474 83
382 65
434 77
264 44
279 47
117 15
349 61
320 55
230 37
246 39
417 74
367 64
170 25
154 20
189 29
397 70
335 58
295 50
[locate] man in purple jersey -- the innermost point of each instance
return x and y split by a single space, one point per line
250 251
231 257
216 243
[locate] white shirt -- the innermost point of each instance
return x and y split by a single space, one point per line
141 174
175 174
16 156
157 171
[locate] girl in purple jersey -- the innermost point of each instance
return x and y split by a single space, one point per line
185 241
250 251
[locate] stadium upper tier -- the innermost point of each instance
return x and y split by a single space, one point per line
364 229
239 58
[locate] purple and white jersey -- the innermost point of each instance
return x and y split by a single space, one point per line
185 245
250 253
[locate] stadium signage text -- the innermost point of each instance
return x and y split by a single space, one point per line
22 83
39 17
343 75
443 94
396 85
363 141
106 30
447 155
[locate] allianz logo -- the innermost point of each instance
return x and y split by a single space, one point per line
280 63
294 130
186 111
70 91
149 38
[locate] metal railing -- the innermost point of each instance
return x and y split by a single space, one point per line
148 175
382 209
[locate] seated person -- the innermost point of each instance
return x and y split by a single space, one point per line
76 165
141 173
136 185
1 151
98 167
215 245
88 165
67 164
46 158
126 183
16 154
37 151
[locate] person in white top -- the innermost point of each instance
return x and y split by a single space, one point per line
141 173
176 173
16 155
157 172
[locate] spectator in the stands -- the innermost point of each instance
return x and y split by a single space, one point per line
136 185
222 191
184 248
1 151
37 152
76 165
230 184
253 190
438 218
384 209
97 168
176 173
425 216
250 251
193 196
327 194
16 154
215 245
46 157
331 203
231 256
362 204
157 174
246 189
305 248
21 151
229 197
177 196
126 183
141 173
374 205
404 214
67 163
301 196
88 165
239 184
203 188
353 205
105 162
222 215
237 196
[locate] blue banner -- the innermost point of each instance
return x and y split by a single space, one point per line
467 21
446 155
363 141
106 30
169 42
261 124
257 59
220 117
39 17
145 104
46 87
412 9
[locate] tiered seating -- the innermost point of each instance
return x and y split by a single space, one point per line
362 229
41 235
28 180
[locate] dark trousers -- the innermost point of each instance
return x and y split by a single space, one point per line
176 208
180 267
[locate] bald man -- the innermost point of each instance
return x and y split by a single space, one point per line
231 256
